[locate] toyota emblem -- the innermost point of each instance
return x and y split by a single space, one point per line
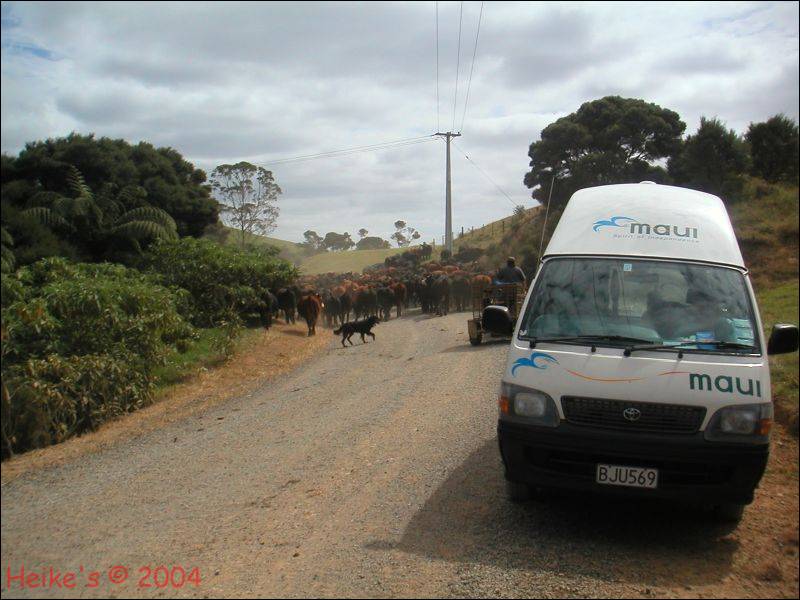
631 414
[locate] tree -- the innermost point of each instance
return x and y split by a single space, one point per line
313 240
165 178
362 233
247 195
372 243
774 149
100 225
337 241
404 234
610 140
712 160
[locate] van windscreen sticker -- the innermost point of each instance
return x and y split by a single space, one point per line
531 362
629 228
697 381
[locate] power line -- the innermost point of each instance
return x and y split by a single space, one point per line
437 66
469 83
353 150
458 64
486 175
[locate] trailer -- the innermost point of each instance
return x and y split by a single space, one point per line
498 297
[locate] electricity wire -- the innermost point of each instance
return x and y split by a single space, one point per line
458 64
486 175
353 150
472 68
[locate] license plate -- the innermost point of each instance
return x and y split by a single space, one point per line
627 476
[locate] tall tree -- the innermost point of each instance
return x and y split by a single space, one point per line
774 149
313 240
712 160
247 195
610 140
372 243
337 241
404 235
362 233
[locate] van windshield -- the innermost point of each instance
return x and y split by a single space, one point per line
703 308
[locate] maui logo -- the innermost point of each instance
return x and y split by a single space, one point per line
635 227
725 384
612 222
531 362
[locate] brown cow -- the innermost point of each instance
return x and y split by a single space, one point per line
399 297
309 308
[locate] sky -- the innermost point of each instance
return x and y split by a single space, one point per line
261 82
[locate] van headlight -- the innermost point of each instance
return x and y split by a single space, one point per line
532 406
749 423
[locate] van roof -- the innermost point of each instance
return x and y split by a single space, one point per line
647 220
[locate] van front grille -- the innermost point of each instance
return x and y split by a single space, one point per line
633 416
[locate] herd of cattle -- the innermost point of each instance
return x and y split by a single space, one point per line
436 288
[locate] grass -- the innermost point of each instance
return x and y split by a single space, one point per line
766 224
207 351
345 262
291 251
491 233
779 304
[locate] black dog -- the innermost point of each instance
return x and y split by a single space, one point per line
361 327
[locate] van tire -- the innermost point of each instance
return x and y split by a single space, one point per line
518 492
729 512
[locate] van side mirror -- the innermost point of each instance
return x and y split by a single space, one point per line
497 320
784 339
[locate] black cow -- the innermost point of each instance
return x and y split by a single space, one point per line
386 301
366 303
287 301
332 310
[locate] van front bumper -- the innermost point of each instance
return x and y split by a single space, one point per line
689 467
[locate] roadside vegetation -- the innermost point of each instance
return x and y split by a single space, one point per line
107 292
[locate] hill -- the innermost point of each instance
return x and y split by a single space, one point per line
291 251
345 262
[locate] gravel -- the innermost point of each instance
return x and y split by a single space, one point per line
369 471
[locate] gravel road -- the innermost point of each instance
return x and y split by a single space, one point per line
370 471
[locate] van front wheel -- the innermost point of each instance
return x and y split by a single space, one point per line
729 512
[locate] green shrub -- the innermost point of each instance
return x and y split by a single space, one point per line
48 400
79 345
225 283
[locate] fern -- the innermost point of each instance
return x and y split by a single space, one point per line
5 237
77 184
143 230
44 198
48 217
7 259
149 213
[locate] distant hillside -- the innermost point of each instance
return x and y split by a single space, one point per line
491 233
345 262
291 251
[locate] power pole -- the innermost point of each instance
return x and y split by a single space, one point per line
448 220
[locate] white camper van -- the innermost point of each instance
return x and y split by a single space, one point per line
638 364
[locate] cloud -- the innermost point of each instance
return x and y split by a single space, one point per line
223 82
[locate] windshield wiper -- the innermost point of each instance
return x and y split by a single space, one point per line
586 338
718 344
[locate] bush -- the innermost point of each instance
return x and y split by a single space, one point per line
225 283
48 400
79 344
